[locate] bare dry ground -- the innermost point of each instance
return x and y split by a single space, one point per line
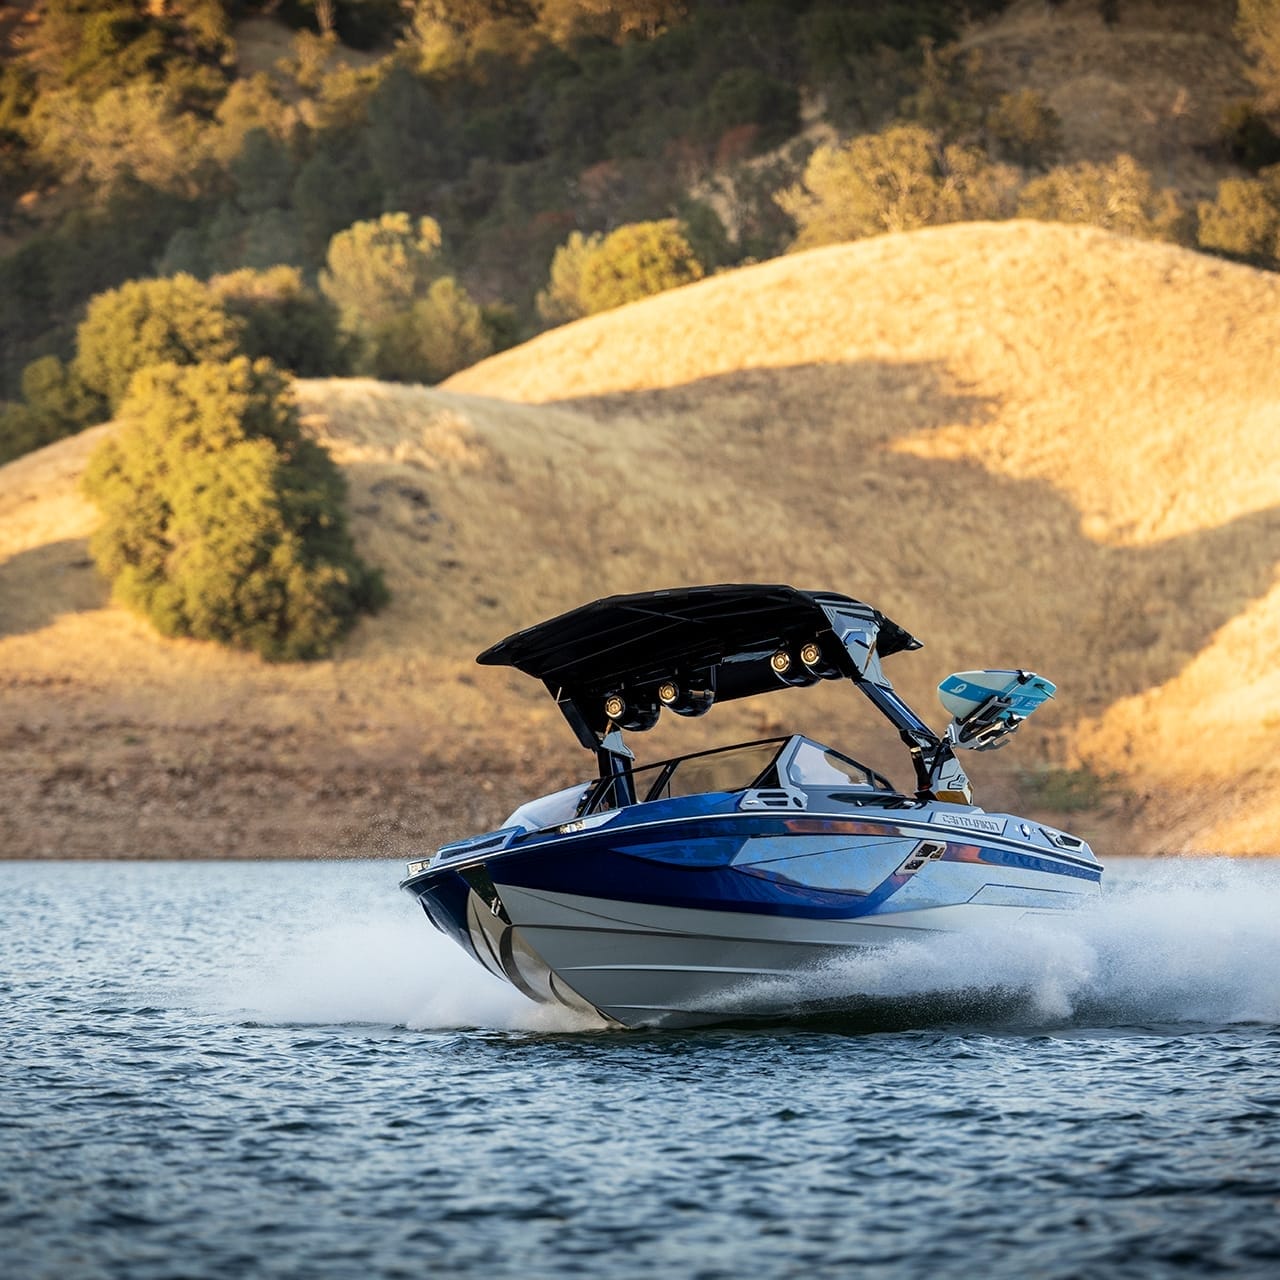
1031 444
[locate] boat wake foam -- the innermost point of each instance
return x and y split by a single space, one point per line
1168 943
366 960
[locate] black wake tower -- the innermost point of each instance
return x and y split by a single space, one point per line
615 663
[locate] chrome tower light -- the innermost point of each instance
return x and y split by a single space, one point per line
685 701
812 656
790 671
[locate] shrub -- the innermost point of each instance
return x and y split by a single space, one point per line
146 322
56 404
637 261
221 521
23 430
440 334
131 133
1244 220
54 391
1118 196
376 269
952 96
285 320
1258 27
1025 129
562 299
893 181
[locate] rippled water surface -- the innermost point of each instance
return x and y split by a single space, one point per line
279 1069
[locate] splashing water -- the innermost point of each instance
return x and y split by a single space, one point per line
372 957
1175 942
1172 942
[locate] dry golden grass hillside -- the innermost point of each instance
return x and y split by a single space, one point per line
1032 445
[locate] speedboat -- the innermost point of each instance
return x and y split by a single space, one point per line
706 888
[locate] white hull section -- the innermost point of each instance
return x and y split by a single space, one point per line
644 965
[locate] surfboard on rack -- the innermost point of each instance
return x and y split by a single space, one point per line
1016 692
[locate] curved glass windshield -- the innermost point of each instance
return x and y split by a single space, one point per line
734 769
813 765
750 764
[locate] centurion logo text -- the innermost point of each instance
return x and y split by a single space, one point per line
970 822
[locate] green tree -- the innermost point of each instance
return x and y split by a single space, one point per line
440 334
563 299
251 103
598 272
744 95
56 404
285 320
1244 220
55 392
1258 27
375 270
263 171
146 322
952 94
409 145
333 189
893 181
1025 128
23 430
17 96
569 22
133 133
637 261
221 520
96 45
1118 196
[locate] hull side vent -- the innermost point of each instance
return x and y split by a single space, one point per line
772 798
925 852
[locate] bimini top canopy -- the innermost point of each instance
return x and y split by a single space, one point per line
616 662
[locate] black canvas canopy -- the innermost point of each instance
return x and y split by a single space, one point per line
719 639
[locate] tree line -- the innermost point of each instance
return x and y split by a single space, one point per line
416 185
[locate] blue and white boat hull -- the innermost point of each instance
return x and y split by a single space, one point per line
727 915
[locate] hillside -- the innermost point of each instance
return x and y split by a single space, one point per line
1031 444
180 142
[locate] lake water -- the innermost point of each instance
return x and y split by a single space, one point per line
225 1070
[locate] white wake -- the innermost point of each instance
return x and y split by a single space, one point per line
1170 942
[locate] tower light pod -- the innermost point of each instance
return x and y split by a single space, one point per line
788 670
812 657
685 702
634 715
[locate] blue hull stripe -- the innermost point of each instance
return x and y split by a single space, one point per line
695 872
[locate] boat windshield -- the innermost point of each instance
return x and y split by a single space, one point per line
804 762
731 769
722 769
813 765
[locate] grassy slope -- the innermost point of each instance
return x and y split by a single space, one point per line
1035 443
1031 444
